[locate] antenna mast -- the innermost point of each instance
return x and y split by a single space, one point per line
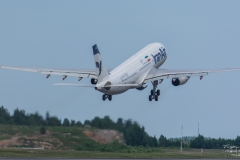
198 127
181 152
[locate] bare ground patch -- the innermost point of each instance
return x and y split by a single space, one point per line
37 141
10 142
104 136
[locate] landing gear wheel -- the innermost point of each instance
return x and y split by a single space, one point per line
104 97
150 97
152 93
109 97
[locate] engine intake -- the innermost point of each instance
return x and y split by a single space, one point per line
180 81
94 81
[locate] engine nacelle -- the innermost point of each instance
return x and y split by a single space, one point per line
180 81
94 81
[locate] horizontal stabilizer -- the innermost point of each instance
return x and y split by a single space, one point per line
75 85
90 85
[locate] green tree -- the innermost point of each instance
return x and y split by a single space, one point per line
162 141
79 124
155 141
5 117
66 122
198 142
20 117
47 117
97 122
128 123
36 119
107 123
120 122
73 123
237 141
54 121
87 122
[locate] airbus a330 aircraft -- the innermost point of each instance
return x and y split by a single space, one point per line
134 73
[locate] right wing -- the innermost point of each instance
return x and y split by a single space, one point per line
86 73
157 74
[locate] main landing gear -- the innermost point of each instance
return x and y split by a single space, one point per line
154 94
106 96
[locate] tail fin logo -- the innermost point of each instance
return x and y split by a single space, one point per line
95 50
99 66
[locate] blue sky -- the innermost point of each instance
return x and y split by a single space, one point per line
60 34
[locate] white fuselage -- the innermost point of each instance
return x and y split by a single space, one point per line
134 69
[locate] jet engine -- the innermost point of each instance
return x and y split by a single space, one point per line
179 81
94 81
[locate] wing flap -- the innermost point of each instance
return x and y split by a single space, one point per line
74 74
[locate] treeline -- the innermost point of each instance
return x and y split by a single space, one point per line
20 117
212 143
134 134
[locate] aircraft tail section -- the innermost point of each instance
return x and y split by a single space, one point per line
100 68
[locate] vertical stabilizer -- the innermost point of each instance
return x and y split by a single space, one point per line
100 68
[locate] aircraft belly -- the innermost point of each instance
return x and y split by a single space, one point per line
115 90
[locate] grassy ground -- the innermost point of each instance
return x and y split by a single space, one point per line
163 153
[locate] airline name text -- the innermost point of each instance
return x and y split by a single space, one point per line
160 55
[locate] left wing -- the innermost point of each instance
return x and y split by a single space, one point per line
156 74
87 73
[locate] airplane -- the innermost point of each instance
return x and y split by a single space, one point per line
134 73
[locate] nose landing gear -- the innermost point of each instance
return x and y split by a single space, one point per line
154 94
106 96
